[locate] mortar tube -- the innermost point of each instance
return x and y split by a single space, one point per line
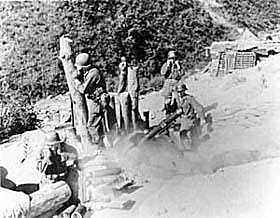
164 124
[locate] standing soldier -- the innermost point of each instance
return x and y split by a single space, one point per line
122 105
172 73
133 91
89 82
122 76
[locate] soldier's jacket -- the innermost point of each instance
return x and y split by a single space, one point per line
133 81
51 162
123 67
189 103
170 71
89 82
170 106
122 87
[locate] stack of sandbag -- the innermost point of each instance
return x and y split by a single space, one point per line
101 182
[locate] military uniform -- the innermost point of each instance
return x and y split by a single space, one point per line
52 160
171 71
122 87
92 84
133 90
170 106
193 115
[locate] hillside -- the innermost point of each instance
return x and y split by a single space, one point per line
234 173
138 29
142 30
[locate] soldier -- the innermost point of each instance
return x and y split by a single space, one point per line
193 114
110 121
123 107
53 161
133 91
122 76
89 81
172 73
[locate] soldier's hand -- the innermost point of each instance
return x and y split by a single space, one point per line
169 62
177 65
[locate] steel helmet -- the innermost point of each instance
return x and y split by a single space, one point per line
123 59
171 54
52 138
181 87
82 60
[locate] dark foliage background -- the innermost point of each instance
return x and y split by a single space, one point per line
143 30
139 29
257 15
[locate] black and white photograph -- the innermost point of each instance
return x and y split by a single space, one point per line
140 109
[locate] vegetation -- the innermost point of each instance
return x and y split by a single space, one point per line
16 116
140 29
257 15
143 30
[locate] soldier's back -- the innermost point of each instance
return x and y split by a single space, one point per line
132 81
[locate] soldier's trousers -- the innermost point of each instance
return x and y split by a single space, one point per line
95 119
134 111
168 87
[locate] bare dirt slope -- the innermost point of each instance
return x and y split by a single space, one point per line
234 173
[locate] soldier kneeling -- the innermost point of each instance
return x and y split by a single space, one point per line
53 162
193 115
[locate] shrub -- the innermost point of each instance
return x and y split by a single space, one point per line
112 83
17 116
156 83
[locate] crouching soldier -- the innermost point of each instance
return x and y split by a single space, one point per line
193 115
53 162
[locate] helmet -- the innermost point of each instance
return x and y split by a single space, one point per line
52 138
181 87
123 59
171 54
82 60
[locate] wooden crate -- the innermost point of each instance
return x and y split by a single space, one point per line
245 60
228 61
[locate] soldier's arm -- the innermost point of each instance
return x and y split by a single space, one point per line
69 158
197 107
79 85
40 160
122 83
165 70
180 70
90 78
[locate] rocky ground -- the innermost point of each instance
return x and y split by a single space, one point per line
232 174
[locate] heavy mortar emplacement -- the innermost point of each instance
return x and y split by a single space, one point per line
141 137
